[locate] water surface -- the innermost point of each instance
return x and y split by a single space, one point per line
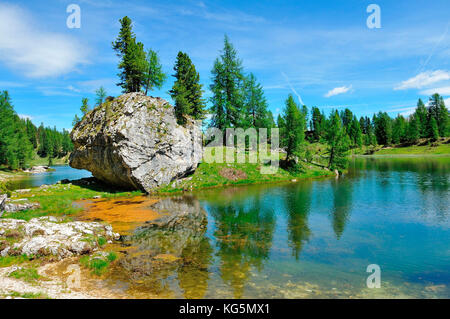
60 172
311 239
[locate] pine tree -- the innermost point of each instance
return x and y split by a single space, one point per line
255 104
318 124
294 134
15 145
413 134
434 130
338 143
84 105
121 45
75 120
227 101
383 128
439 112
155 77
187 90
136 67
399 130
421 115
101 95
355 133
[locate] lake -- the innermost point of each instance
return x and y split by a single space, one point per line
60 172
310 239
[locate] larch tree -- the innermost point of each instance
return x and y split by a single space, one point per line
227 77
84 108
100 95
155 76
255 104
421 114
293 133
338 143
187 91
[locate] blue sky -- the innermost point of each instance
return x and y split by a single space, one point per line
320 50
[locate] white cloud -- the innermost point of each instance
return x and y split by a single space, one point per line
442 91
447 102
424 79
73 89
10 84
35 53
338 90
25 116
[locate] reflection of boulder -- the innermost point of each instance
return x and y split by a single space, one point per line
167 244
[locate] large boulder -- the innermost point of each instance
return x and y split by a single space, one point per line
135 142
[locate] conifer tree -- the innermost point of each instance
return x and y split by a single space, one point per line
413 134
293 134
187 90
255 104
434 130
84 105
421 115
101 95
155 76
399 129
338 143
227 76
317 123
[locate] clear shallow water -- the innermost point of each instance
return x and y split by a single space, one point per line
311 239
60 172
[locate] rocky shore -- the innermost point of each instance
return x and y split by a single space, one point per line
46 236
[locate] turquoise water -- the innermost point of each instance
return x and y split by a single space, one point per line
311 239
60 172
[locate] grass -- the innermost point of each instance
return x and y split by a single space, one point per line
209 175
441 149
14 260
57 200
29 275
98 264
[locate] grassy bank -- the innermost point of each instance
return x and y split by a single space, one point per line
209 175
57 200
43 161
440 149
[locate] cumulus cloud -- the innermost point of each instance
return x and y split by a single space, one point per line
34 52
424 79
442 91
447 103
338 90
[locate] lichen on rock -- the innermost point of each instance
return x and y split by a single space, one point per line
134 142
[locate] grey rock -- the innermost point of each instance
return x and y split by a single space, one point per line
50 236
12 207
134 142
3 198
37 169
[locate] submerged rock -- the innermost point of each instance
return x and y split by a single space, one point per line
50 236
161 245
135 142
